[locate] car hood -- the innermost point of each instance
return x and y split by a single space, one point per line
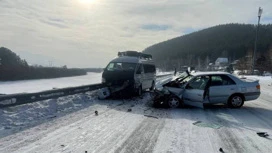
166 80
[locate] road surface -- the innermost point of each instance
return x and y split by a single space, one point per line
135 126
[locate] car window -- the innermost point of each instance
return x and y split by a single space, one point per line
110 66
121 66
198 82
139 69
221 80
149 68
227 80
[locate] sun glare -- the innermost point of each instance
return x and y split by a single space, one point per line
86 1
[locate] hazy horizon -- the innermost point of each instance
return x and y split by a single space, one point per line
89 33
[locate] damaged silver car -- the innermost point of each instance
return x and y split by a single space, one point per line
201 88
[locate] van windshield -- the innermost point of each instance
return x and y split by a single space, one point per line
118 66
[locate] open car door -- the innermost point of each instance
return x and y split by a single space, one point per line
194 92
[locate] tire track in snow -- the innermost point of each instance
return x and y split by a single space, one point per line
235 136
8 146
144 137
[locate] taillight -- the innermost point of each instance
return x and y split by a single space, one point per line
258 87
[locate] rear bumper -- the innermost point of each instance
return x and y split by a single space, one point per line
252 95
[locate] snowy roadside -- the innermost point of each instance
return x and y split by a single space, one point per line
265 82
133 126
18 118
29 86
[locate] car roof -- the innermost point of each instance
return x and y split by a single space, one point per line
209 73
131 59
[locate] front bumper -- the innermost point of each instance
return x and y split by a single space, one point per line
120 86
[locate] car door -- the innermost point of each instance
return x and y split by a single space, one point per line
221 88
194 91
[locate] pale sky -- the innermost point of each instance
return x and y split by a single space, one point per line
89 33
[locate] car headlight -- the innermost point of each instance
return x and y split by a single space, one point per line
103 80
165 91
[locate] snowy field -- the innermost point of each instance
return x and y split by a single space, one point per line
265 82
69 124
28 86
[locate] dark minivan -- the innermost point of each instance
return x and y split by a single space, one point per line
131 71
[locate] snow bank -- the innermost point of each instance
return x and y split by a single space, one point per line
265 82
20 117
164 73
29 86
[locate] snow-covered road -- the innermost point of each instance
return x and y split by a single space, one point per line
141 129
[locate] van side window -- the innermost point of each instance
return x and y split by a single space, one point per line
149 68
139 69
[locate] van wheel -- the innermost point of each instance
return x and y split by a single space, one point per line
236 101
152 86
139 91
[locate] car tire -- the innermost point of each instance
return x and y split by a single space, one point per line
173 102
156 104
236 101
152 88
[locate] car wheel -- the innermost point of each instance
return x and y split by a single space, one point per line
236 101
152 86
173 102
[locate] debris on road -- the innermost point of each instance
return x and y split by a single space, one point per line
262 134
7 127
62 145
96 113
103 93
52 116
221 150
151 116
129 110
210 125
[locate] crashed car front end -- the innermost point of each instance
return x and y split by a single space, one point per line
169 88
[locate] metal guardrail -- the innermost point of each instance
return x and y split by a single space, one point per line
24 98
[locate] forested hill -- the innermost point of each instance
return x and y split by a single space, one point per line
12 67
199 48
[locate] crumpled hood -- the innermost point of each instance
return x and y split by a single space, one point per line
160 83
